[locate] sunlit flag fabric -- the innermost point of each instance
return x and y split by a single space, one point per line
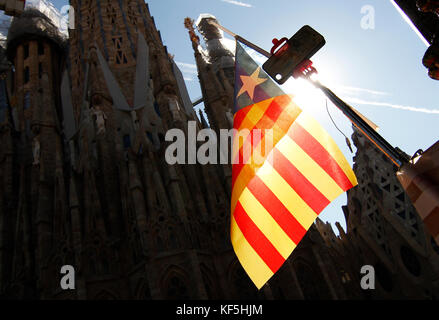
276 200
420 179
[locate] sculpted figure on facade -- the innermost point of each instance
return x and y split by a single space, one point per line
36 147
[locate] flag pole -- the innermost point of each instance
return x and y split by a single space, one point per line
394 154
241 39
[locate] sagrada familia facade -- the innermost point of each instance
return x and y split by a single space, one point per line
84 181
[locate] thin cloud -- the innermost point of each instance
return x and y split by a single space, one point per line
238 3
391 105
189 70
187 67
361 90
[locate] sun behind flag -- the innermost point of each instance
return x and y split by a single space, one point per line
275 201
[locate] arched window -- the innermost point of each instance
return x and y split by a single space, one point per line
26 75
177 289
91 20
132 14
40 48
119 54
111 13
26 100
173 243
26 51
127 141
175 286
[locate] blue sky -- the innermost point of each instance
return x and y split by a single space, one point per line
378 71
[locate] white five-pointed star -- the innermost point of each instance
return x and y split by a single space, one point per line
249 83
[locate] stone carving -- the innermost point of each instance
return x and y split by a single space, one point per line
174 107
100 119
36 150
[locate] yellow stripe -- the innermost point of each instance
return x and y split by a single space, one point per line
293 109
239 138
266 224
291 200
255 114
246 174
309 168
252 152
238 144
247 123
252 263
317 131
289 115
255 164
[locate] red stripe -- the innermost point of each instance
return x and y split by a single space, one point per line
267 121
277 210
253 140
305 189
236 170
258 240
319 154
240 161
240 116
274 111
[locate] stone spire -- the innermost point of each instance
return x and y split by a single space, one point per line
215 71
126 93
220 56
37 51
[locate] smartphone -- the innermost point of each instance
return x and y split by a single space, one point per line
302 46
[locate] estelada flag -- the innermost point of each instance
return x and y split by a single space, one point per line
420 179
275 201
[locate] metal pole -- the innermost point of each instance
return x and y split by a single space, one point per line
393 154
241 39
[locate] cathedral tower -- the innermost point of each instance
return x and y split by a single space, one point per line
36 50
384 231
215 65
142 221
8 169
